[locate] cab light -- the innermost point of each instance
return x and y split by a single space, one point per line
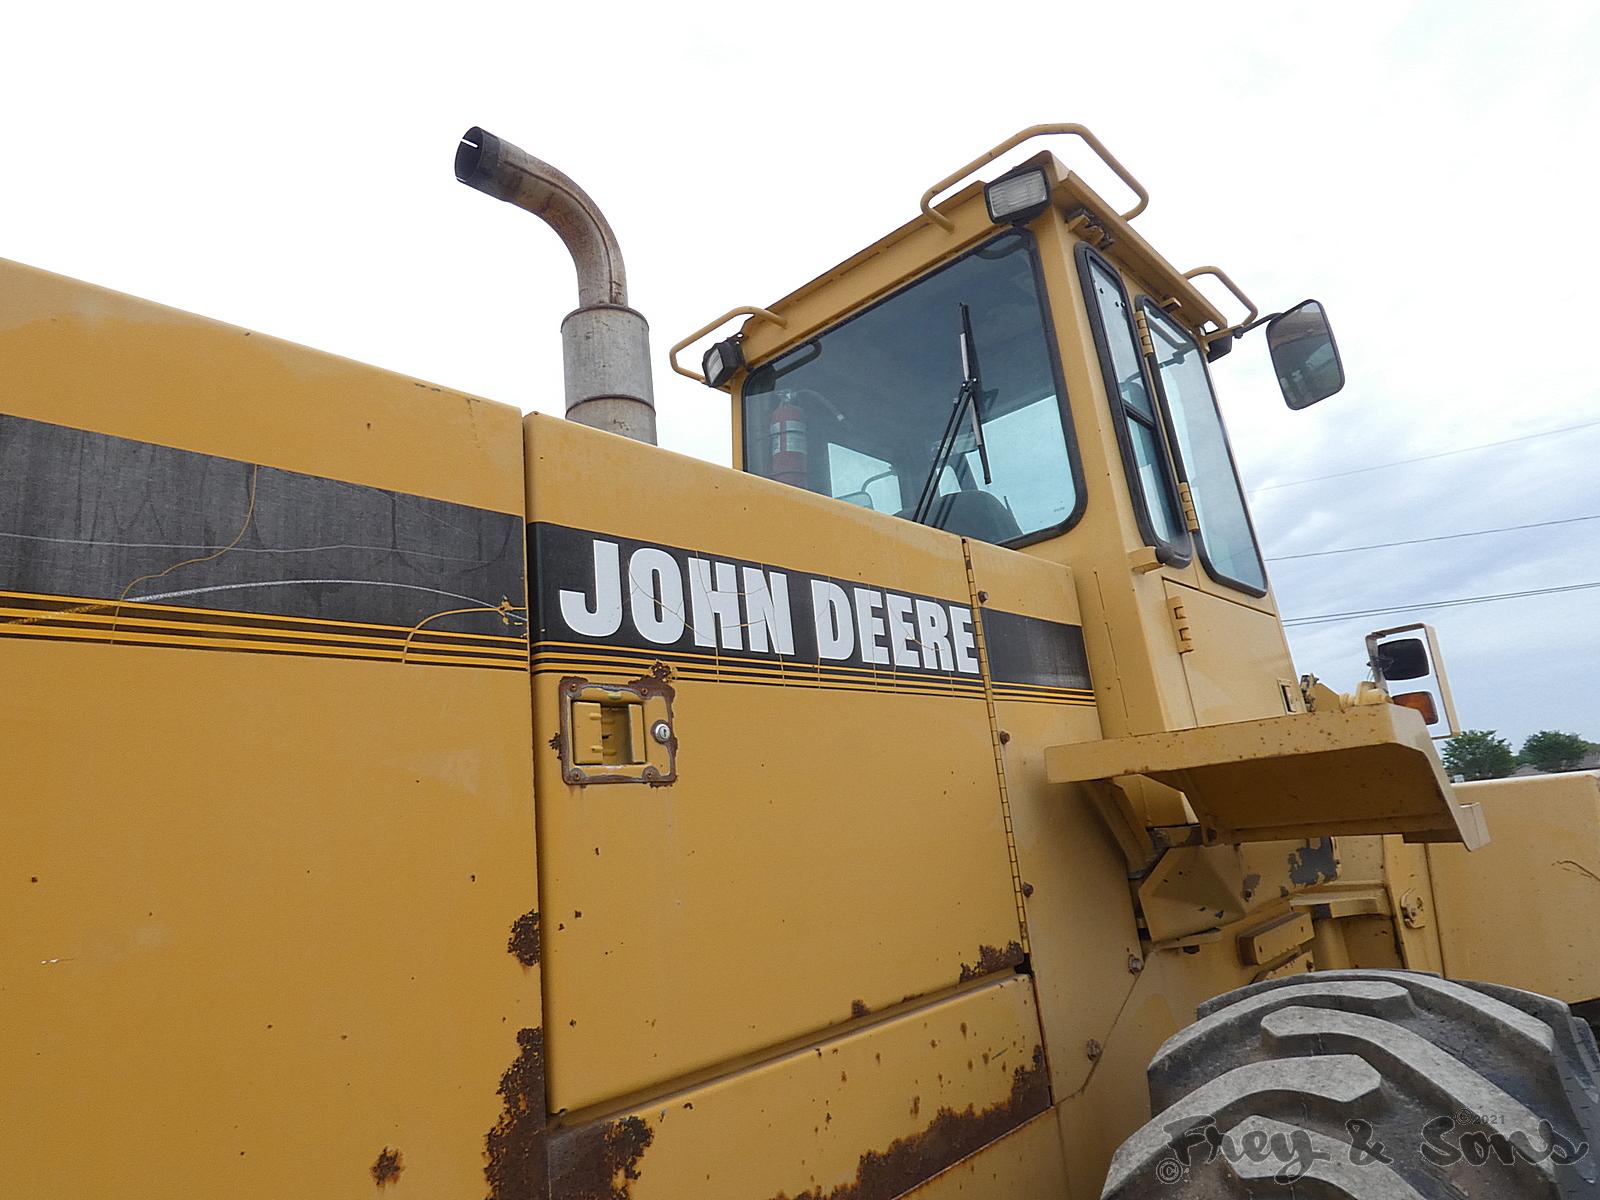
1018 198
721 361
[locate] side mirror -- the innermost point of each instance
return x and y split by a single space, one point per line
1304 355
1395 659
1404 658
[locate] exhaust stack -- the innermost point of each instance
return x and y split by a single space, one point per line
605 345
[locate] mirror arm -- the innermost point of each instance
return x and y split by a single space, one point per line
1221 341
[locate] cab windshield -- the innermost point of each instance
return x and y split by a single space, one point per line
863 412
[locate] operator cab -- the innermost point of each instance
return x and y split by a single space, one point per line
1019 366
943 399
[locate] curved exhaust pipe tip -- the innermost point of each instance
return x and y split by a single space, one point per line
605 344
475 158
507 172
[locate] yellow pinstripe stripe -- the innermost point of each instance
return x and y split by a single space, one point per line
58 632
138 605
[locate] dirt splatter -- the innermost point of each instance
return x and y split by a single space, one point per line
909 1161
388 1167
598 1161
515 1149
990 960
524 940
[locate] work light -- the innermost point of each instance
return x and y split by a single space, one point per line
1017 198
721 361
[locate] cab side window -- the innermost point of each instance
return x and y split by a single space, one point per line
1226 541
1144 456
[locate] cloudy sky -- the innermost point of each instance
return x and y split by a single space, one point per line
1427 170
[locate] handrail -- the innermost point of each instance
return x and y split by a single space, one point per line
1237 295
744 310
1016 140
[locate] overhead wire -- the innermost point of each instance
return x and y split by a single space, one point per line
1443 537
1400 462
1458 602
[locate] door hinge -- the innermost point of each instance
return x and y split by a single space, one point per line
1190 517
1143 326
1180 624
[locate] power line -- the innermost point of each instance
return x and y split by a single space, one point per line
1399 462
1456 603
1443 537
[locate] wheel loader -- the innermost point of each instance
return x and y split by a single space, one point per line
406 797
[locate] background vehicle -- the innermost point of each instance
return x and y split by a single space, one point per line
556 815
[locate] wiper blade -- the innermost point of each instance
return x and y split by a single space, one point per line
970 393
973 382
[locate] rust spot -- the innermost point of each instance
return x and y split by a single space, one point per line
909 1161
858 1008
555 742
388 1167
598 1161
661 671
515 1148
524 940
991 960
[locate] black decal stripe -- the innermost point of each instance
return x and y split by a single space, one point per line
1028 650
114 519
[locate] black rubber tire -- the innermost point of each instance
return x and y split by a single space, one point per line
1258 1097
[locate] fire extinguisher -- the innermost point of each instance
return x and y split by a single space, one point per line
788 434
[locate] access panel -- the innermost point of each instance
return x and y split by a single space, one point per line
831 841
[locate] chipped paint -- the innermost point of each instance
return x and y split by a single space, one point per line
515 1150
858 1008
387 1168
992 960
524 940
599 1161
1314 864
950 1137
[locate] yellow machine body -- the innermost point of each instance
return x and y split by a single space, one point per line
408 798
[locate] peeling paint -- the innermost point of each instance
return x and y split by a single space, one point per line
991 960
515 1150
598 1161
524 940
388 1167
1314 864
952 1136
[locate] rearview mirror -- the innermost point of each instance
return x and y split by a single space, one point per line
1404 658
1396 658
1304 355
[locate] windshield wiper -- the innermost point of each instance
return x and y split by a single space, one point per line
968 395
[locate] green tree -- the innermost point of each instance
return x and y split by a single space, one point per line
1551 750
1478 754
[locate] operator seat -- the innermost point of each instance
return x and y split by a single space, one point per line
972 514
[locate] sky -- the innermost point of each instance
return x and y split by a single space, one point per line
1426 170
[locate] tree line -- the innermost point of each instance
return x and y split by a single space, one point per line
1480 754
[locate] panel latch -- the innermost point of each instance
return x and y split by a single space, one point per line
617 732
